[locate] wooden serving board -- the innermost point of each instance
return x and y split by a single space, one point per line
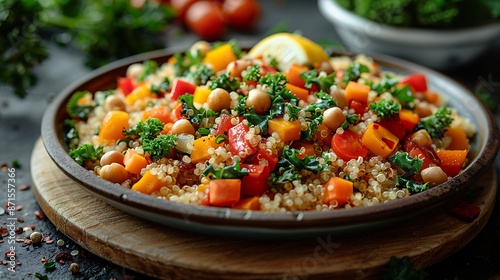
168 253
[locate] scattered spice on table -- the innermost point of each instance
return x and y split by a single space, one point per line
24 187
36 237
39 214
74 268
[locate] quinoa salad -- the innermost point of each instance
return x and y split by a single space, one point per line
216 126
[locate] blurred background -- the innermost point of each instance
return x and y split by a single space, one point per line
47 45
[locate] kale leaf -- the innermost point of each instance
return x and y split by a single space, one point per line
233 171
411 165
75 110
353 72
148 129
194 115
224 81
404 96
323 83
436 123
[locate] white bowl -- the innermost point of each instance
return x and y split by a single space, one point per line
439 49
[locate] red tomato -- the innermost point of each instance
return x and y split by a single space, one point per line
271 159
225 124
237 141
417 81
180 8
206 19
241 14
358 107
348 145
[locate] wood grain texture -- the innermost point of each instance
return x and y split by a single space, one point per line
168 253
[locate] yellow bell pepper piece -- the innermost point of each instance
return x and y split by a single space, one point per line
379 140
220 57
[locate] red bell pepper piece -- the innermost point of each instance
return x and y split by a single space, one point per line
260 155
181 87
125 85
395 126
237 141
255 183
417 81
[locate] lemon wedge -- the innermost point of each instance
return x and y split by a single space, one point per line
287 49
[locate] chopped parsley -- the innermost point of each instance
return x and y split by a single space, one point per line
161 87
226 82
70 131
202 75
386 85
353 72
86 152
253 74
322 82
384 108
159 146
145 129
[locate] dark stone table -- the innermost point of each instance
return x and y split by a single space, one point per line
20 127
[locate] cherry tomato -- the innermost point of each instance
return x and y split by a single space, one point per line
241 15
348 145
180 7
206 19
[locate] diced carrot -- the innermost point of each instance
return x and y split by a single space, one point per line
201 146
220 57
112 126
200 95
337 189
458 138
287 131
134 162
357 92
148 183
379 140
250 203
305 148
162 113
452 161
301 93
224 192
324 134
293 75
140 92
409 119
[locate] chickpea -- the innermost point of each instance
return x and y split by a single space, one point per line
423 109
112 157
114 172
202 46
434 175
135 70
333 118
234 68
260 100
182 126
218 99
421 138
114 103
324 66
339 97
